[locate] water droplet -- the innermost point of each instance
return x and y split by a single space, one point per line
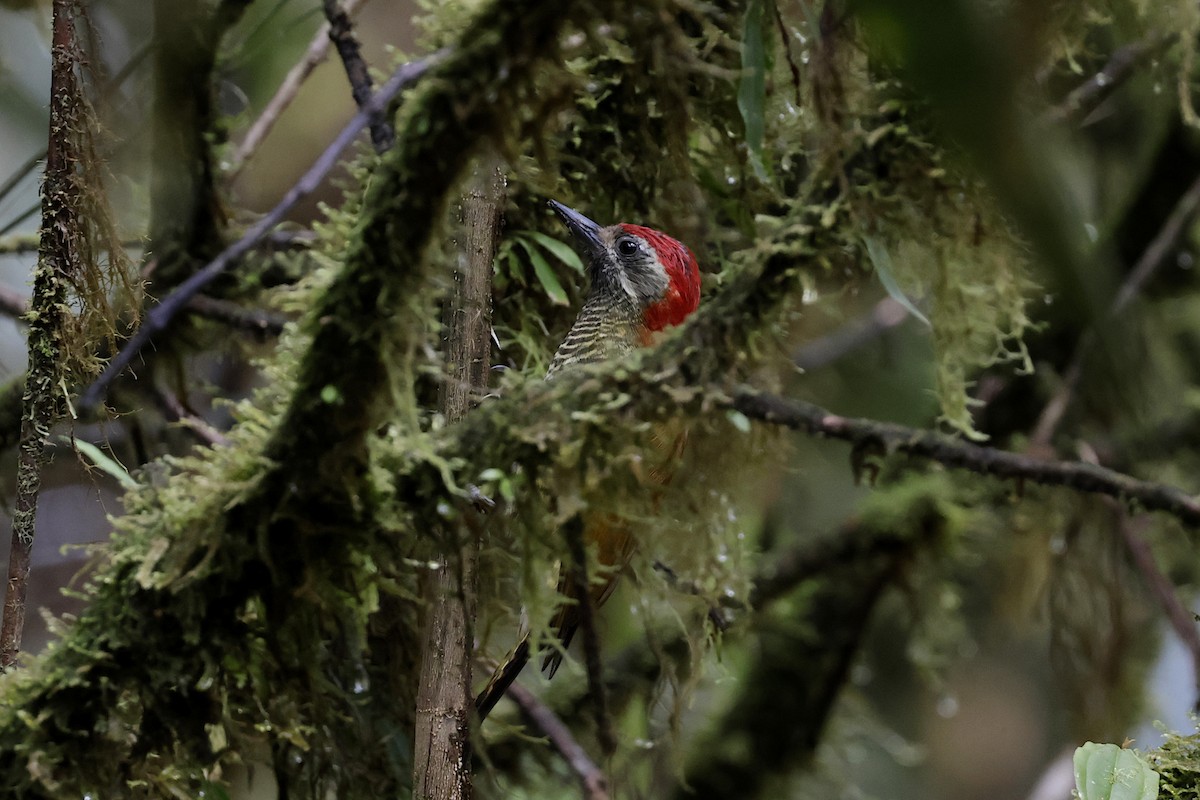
804 57
809 296
1102 79
1048 299
1058 545
1158 88
861 675
947 706
1093 233
1185 260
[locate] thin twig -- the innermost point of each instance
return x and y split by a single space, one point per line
13 303
1181 620
59 256
1154 256
255 320
573 533
318 48
22 243
31 163
591 778
260 322
828 349
158 319
19 244
1117 70
341 33
176 411
956 453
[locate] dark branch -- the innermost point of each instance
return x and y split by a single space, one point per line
283 97
593 781
956 453
573 533
158 319
1155 254
254 320
1119 68
342 35
176 411
1182 621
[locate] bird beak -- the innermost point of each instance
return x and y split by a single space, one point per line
582 228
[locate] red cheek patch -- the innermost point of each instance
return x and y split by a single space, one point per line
683 279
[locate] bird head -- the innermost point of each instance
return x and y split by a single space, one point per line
653 271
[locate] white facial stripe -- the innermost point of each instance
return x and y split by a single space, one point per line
625 285
650 282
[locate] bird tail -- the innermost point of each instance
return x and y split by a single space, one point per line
502 678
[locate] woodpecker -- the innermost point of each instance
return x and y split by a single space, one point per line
641 282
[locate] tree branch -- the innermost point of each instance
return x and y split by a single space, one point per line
591 778
1079 476
58 261
341 33
1152 258
318 48
442 766
573 533
161 316
1117 70
1180 618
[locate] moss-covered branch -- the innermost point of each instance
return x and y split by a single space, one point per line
238 613
872 435
58 260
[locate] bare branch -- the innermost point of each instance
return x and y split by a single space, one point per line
591 778
158 319
1119 68
573 533
885 315
1152 258
963 455
318 48
255 320
1182 621
20 243
342 35
176 411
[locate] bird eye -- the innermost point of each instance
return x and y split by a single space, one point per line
627 247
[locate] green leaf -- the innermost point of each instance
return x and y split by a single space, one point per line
752 89
882 261
103 461
1108 772
560 250
545 274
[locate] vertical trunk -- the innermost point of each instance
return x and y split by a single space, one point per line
56 257
443 723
